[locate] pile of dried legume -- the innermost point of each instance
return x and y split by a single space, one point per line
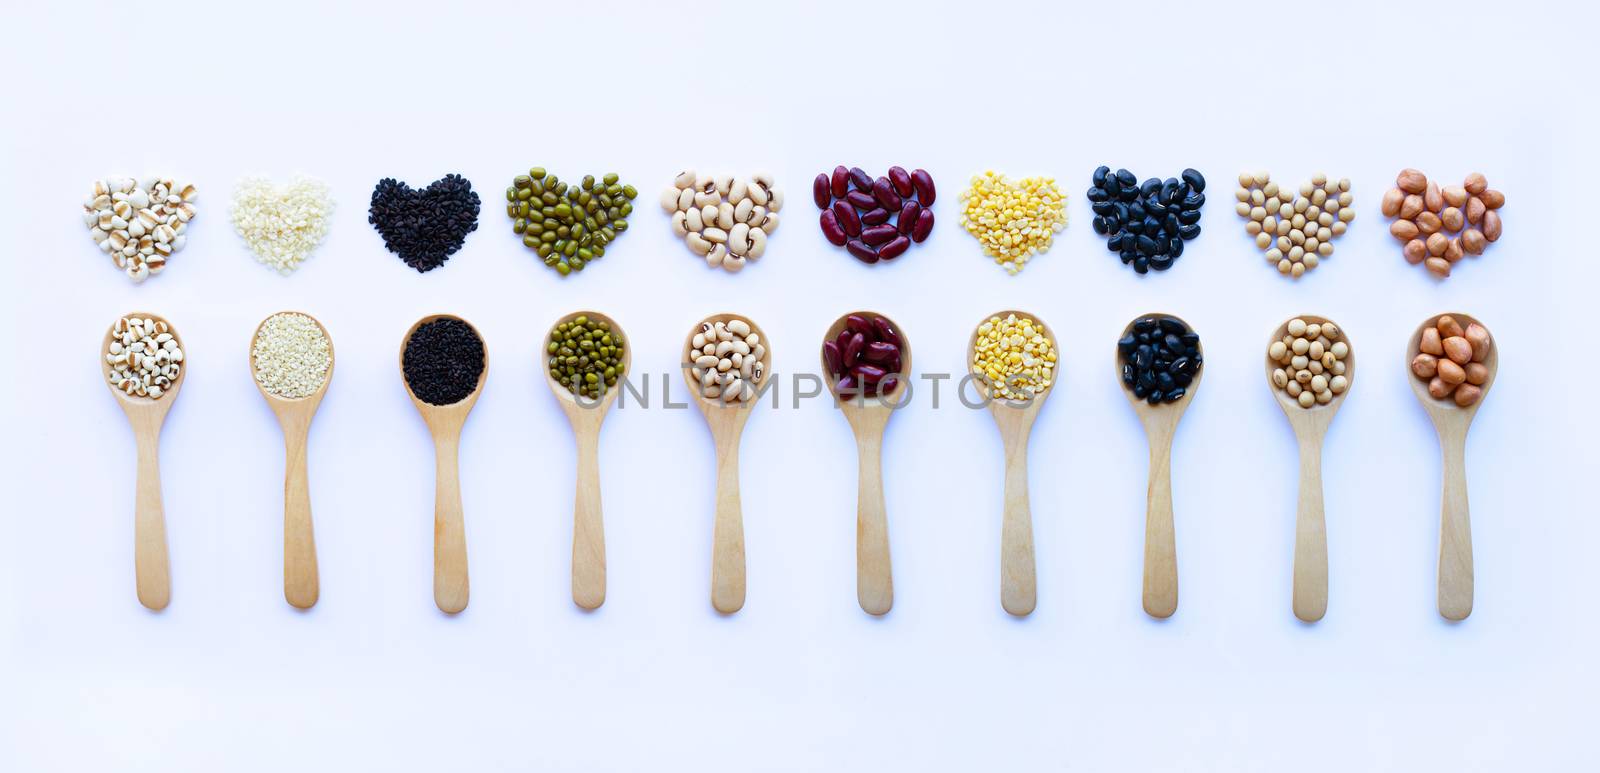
875 219
1013 357
1160 357
291 355
585 356
568 226
1440 226
1311 360
1295 231
282 225
1013 220
1452 360
723 219
865 358
727 360
144 357
1146 225
139 223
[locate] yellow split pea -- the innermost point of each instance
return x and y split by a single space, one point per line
1013 219
1014 357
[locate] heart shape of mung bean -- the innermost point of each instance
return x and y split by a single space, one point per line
875 219
1146 224
568 226
1295 232
1440 226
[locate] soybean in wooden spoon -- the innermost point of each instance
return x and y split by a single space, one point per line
146 394
1452 419
443 364
726 418
1014 414
1310 424
592 334
1160 420
291 363
868 406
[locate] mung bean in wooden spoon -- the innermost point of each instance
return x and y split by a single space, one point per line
1016 388
726 389
1452 388
443 364
291 362
142 359
1159 362
1310 365
865 357
585 358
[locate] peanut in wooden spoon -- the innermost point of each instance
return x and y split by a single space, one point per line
586 415
1452 421
300 581
450 586
1019 585
726 422
869 414
1310 427
153 580
1160 541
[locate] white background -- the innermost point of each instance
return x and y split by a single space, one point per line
231 678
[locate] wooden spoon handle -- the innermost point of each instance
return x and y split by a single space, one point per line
450 589
1310 538
1455 533
153 581
1019 592
588 529
300 587
874 579
727 551
1160 542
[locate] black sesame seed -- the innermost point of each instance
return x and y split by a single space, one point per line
424 228
443 361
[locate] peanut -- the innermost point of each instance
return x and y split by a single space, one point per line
1467 394
1475 183
1411 206
1448 326
1415 251
1478 336
1432 199
1413 181
1425 365
1491 226
1405 230
1475 210
1391 202
1430 343
1472 241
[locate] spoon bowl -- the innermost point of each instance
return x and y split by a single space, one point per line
868 415
1451 422
1019 587
586 415
1160 426
1310 425
450 584
300 578
152 575
726 421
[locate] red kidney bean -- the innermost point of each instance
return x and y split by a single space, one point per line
820 192
842 339
883 191
881 352
895 248
861 200
831 356
908 217
859 324
868 374
852 350
877 235
924 185
860 177
875 216
846 385
840 182
887 332
923 227
862 252
832 230
901 179
849 221
887 385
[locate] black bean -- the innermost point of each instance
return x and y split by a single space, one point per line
1194 201
1141 264
1098 193
443 360
1189 231
1188 216
1151 189
1174 395
1143 356
1114 187
1164 381
1099 224
1194 180
1127 344
1128 373
1147 245
1146 324
1100 175
1144 222
1170 325
1159 355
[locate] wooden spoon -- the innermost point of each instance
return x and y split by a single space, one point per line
727 424
1452 421
1310 532
868 416
151 573
1160 543
1019 588
588 529
300 585
450 588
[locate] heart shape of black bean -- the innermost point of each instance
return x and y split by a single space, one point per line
1146 224
875 219
424 227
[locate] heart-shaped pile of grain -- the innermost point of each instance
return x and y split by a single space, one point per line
1295 231
1440 226
282 224
568 225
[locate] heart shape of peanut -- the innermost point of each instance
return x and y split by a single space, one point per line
1295 229
1440 226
